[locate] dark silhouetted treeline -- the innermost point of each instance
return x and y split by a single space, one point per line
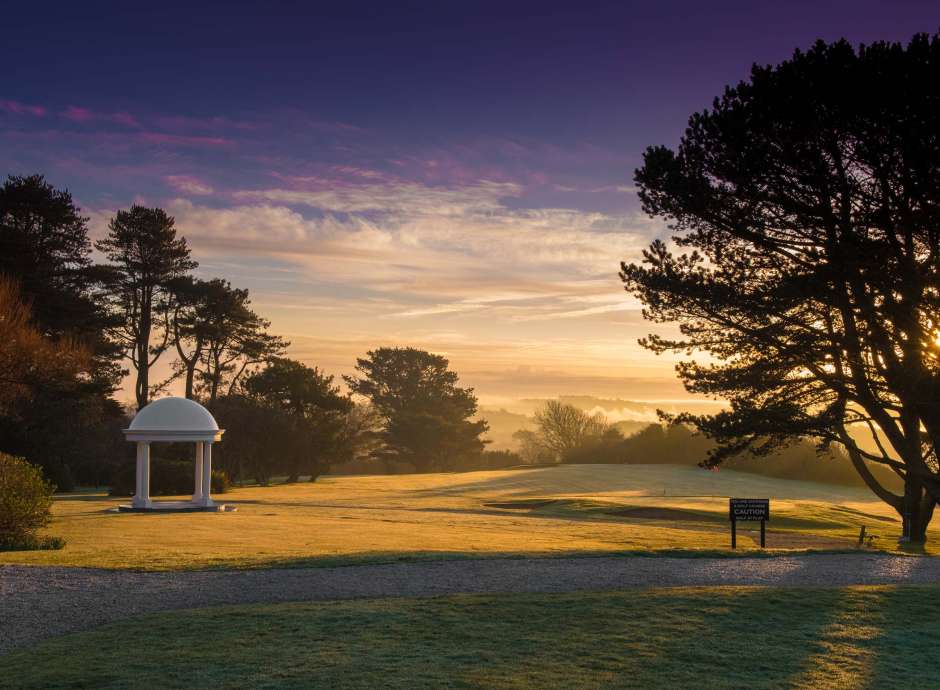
71 330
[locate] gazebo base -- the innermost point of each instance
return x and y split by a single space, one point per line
177 507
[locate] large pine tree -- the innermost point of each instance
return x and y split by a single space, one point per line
147 258
806 212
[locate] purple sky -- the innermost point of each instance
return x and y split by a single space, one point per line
455 176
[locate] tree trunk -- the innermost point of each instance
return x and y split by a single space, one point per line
142 388
916 513
190 375
143 382
214 390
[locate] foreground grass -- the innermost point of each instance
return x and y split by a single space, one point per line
568 510
875 637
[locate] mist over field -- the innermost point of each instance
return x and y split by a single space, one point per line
629 416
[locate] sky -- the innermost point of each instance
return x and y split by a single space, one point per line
455 176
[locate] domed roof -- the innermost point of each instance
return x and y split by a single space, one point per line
174 414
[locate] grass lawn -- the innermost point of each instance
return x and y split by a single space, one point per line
858 637
575 509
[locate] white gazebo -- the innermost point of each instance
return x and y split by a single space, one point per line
170 420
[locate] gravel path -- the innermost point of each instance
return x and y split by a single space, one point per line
39 602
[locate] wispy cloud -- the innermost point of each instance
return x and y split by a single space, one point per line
623 305
411 199
491 252
81 123
17 108
439 251
126 119
77 114
189 185
82 115
177 123
181 140
438 309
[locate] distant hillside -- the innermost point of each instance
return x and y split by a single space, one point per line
628 416
503 424
649 442
620 409
678 445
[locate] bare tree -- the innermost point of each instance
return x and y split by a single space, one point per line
562 428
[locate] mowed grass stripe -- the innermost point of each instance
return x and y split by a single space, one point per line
721 637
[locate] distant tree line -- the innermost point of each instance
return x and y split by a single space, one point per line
72 329
566 434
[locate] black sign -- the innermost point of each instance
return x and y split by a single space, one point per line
749 509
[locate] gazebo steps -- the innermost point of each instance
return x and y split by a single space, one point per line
177 507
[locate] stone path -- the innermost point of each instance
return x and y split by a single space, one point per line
39 602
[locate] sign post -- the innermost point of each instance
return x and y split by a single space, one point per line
751 510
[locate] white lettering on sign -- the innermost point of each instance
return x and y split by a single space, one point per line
752 509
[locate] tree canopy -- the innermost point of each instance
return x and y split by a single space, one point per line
805 207
29 361
56 337
217 336
307 413
44 246
427 416
146 258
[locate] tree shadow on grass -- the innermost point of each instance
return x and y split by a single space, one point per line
875 637
879 637
96 496
733 637
906 648
726 638
859 637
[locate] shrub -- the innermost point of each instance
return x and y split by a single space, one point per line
61 475
608 448
33 542
220 482
167 478
369 465
497 459
25 505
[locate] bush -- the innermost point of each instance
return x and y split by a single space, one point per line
33 542
167 478
220 482
371 466
497 460
608 448
62 477
25 505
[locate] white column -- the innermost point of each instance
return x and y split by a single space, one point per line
137 484
207 474
142 497
197 493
